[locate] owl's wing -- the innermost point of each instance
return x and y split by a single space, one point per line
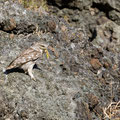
26 56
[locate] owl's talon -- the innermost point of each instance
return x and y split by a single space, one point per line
33 78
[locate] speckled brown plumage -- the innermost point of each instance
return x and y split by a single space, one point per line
26 60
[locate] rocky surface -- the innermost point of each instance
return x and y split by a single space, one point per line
77 11
82 75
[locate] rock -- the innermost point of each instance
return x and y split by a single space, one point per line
80 4
51 26
82 106
23 114
92 101
6 110
102 20
106 65
113 4
115 16
9 25
95 63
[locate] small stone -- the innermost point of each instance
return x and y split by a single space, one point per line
63 28
114 67
95 63
23 114
102 81
54 51
92 11
115 16
92 101
102 20
83 111
12 36
9 25
52 26
106 65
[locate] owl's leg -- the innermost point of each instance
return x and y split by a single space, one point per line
30 72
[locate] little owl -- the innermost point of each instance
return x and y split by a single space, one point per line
27 59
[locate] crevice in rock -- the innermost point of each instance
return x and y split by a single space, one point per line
106 8
93 36
15 32
9 32
64 4
18 31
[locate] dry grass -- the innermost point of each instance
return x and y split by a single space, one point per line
112 111
34 4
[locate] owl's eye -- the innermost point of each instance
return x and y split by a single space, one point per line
42 46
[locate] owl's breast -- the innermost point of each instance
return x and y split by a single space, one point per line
27 65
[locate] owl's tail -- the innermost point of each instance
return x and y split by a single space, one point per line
9 67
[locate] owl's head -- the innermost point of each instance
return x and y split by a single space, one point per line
40 45
44 48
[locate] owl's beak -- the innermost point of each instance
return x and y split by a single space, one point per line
47 54
44 48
